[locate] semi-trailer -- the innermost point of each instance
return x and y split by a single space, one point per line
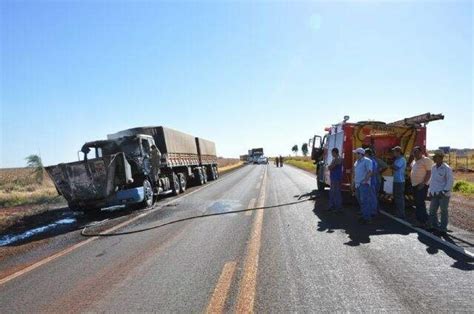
134 167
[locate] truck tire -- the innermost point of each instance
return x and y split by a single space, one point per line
182 182
213 174
175 186
216 171
148 194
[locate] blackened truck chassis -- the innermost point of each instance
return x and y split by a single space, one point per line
134 167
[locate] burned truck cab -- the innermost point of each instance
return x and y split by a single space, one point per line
115 172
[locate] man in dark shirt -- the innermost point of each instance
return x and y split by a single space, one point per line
335 174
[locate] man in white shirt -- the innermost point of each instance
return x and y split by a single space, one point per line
441 183
420 175
361 183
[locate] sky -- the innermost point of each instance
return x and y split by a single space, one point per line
243 74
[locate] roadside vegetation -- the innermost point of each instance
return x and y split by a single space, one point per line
30 185
304 163
227 164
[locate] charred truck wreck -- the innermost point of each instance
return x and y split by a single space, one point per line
134 167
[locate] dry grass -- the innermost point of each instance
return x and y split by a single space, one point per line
19 187
224 162
230 167
304 163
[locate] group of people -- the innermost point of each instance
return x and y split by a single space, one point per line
433 179
279 161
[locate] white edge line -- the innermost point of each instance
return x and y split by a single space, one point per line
430 235
419 230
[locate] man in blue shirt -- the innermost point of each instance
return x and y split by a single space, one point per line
374 184
361 182
399 166
335 174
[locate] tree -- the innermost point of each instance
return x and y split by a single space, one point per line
34 162
304 149
294 149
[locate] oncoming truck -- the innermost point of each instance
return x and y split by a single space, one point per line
380 136
134 167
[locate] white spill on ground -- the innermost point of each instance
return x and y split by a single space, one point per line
12 238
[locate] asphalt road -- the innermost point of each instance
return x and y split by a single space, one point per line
290 258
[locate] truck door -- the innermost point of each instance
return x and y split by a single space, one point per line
146 152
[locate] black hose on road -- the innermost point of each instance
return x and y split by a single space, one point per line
83 232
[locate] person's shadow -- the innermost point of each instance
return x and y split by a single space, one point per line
359 234
348 221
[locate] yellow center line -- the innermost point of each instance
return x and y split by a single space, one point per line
248 284
217 302
251 205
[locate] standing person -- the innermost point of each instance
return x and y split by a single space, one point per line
420 177
361 182
399 166
382 166
335 174
441 183
374 184
277 161
281 161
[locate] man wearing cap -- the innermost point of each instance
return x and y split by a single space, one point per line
361 181
399 166
420 177
441 183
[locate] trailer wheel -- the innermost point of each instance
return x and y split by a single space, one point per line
182 182
213 174
148 194
175 184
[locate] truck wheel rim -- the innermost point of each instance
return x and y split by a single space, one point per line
182 183
148 192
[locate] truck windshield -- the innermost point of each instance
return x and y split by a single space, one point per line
131 147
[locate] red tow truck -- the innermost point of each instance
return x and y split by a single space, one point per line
380 136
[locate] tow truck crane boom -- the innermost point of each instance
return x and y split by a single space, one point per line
418 120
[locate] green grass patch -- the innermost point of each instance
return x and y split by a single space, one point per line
464 187
302 163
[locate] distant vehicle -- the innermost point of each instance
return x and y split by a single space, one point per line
134 167
380 136
261 160
255 154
